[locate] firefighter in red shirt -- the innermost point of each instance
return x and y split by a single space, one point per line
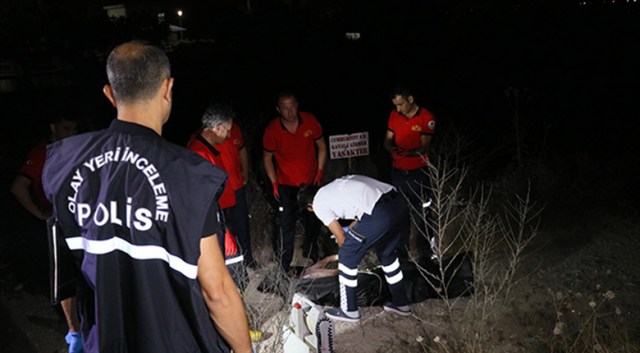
408 138
217 122
236 162
216 142
295 141
27 188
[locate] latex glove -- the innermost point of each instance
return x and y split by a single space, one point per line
276 195
398 153
318 180
75 342
230 245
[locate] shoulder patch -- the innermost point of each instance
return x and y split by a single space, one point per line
432 124
236 141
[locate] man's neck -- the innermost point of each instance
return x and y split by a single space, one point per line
142 114
210 136
291 125
413 111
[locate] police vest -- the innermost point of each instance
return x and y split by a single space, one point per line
133 209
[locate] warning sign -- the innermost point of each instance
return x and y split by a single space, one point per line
352 145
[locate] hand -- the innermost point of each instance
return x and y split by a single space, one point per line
276 195
318 180
398 153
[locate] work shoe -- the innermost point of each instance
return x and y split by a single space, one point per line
402 310
75 342
338 314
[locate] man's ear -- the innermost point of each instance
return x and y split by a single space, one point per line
108 91
52 127
167 87
410 99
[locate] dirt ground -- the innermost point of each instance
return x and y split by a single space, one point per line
574 268
571 270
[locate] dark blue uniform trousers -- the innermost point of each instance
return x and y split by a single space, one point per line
379 231
289 212
414 186
237 218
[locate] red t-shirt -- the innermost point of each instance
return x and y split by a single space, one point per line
200 146
407 133
295 154
32 169
230 152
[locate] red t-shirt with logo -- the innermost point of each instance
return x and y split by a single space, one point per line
202 147
295 154
407 133
230 153
32 169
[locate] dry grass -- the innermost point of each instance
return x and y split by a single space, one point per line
497 221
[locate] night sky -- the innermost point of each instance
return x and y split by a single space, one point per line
578 63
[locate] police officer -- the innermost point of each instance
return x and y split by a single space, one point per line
378 211
141 216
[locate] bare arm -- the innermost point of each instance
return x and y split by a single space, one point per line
222 297
244 165
389 141
267 159
20 189
425 142
337 230
322 152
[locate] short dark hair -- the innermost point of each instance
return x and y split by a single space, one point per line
306 195
217 114
285 94
136 70
400 90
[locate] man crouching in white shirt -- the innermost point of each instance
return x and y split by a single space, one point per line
378 211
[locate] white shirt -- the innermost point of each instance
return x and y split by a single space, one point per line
348 197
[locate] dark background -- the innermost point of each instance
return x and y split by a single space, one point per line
577 61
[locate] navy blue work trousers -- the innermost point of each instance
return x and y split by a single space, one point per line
414 185
237 218
285 240
379 231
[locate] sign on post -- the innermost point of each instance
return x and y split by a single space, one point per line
351 145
